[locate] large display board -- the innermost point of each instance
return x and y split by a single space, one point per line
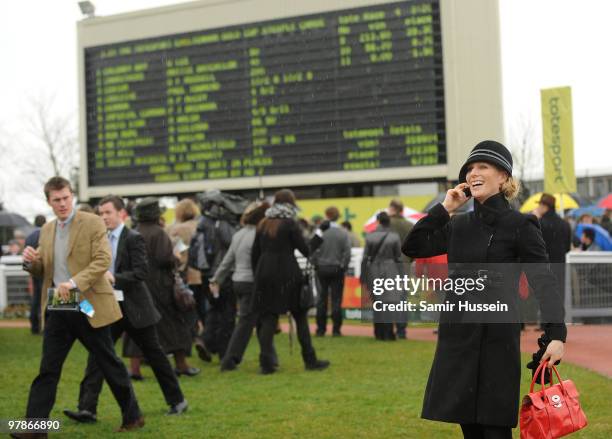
357 89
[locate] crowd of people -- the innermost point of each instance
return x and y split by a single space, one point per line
221 271
331 261
165 289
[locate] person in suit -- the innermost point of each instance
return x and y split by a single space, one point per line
127 273
74 253
32 241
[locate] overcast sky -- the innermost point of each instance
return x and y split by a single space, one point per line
545 43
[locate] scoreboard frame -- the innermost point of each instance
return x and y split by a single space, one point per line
471 65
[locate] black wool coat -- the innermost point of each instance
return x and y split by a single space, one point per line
557 236
278 277
475 375
131 271
173 328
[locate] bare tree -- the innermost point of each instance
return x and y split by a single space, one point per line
52 141
6 163
527 157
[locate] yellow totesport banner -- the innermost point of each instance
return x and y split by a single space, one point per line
559 175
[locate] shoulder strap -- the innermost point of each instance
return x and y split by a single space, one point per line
377 249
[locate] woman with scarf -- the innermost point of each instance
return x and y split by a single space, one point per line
475 376
278 280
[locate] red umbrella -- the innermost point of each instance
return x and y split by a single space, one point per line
606 202
410 214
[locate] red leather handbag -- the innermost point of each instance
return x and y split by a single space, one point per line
552 411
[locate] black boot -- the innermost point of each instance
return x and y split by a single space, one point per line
317 365
312 363
83 416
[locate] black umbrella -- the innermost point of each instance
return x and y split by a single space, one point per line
10 219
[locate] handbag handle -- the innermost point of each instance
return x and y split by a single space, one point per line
540 371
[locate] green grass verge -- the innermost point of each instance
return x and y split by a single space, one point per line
372 390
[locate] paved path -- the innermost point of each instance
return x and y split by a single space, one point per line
14 323
588 346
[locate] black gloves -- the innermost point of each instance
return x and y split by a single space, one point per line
543 342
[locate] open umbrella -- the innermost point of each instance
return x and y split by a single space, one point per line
532 202
410 214
591 210
10 219
606 202
602 237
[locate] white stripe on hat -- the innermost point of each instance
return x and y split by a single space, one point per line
492 154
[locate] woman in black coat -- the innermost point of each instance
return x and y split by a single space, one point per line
475 376
174 326
278 280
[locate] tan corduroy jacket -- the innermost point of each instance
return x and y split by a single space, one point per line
89 257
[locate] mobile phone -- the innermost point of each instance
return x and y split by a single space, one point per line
467 192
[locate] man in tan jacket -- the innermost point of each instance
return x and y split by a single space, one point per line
74 252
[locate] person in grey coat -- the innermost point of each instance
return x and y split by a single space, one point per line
331 261
381 259
238 260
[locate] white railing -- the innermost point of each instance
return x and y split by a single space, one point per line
588 285
14 282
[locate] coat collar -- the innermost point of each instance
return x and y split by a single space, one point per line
494 207
550 214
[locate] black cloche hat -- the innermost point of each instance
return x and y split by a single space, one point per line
488 151
148 210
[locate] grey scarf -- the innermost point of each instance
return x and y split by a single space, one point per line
282 210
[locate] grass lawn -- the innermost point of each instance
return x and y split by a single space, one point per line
372 390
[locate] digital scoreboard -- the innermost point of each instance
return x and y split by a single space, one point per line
349 90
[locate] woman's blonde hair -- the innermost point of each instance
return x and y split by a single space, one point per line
511 188
185 210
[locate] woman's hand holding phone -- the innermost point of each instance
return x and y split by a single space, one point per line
456 197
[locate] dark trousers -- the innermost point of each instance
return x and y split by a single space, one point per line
268 324
330 286
248 319
400 329
201 301
35 305
384 331
62 328
148 342
479 431
220 318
